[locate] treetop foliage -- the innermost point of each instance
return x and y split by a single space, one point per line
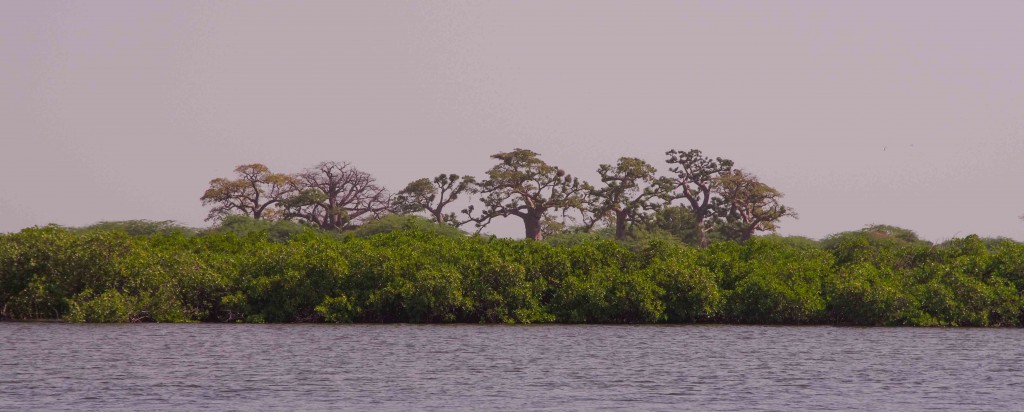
524 186
702 199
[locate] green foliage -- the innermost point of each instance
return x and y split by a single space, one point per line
244 226
432 196
338 309
285 282
883 246
609 295
141 228
47 272
524 186
691 292
675 221
1007 262
416 271
255 193
506 283
567 239
108 307
405 223
777 283
862 294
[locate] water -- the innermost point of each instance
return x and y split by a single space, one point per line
389 367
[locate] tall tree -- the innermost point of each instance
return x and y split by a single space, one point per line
336 195
524 186
433 196
254 192
695 182
629 192
749 204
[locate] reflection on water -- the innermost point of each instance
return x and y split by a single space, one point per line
156 366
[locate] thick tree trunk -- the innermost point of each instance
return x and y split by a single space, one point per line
703 236
702 226
620 225
748 232
533 229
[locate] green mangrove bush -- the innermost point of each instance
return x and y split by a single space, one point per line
402 271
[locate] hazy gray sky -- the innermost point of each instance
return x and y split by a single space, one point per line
906 113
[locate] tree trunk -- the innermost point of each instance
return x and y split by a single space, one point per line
620 225
533 230
748 232
703 236
702 226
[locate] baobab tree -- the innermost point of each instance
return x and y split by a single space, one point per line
524 186
630 191
434 195
696 177
254 193
750 205
335 196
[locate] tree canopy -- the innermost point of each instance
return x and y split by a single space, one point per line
433 196
631 200
695 182
336 195
749 205
254 192
524 186
631 190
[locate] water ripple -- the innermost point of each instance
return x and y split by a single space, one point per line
464 367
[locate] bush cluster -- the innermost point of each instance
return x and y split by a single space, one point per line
405 272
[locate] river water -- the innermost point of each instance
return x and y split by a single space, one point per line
469 367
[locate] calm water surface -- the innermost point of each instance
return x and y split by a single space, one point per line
389 367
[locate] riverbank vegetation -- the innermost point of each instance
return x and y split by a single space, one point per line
410 269
329 244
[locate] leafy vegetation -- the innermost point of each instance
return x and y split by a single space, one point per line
331 245
410 269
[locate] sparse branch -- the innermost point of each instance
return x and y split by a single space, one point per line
433 196
338 196
695 182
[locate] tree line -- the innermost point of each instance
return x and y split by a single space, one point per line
409 269
703 195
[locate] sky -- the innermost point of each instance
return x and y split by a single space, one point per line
908 113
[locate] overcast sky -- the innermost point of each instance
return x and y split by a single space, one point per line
905 113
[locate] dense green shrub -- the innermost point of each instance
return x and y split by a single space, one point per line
609 295
862 294
141 228
285 282
777 282
691 293
403 276
46 272
244 226
405 223
1007 262
503 285
245 271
